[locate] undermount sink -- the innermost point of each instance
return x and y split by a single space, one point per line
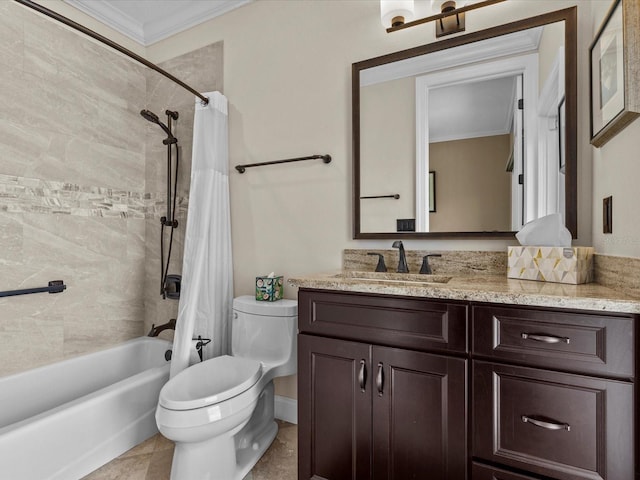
392 278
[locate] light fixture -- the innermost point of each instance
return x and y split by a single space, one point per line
449 15
395 12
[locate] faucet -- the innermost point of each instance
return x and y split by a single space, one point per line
426 268
381 267
170 325
402 262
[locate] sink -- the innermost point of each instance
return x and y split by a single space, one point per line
393 278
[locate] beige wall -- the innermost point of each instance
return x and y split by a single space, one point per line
387 153
287 75
473 189
550 42
288 80
616 171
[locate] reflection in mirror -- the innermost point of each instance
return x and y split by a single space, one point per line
482 115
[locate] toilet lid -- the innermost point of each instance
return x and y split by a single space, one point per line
210 382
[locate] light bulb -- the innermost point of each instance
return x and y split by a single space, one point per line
395 12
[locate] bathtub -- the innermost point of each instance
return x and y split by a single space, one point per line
64 420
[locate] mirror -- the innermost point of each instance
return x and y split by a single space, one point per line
472 136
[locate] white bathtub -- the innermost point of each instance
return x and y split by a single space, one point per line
64 420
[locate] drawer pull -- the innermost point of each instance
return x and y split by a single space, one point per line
547 425
362 375
380 379
545 338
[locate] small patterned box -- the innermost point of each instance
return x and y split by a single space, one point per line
269 289
573 265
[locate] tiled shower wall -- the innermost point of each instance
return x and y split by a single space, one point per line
81 178
202 69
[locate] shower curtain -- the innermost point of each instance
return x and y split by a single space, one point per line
206 298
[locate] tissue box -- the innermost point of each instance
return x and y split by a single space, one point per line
269 289
571 265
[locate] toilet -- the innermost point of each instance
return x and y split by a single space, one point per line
220 412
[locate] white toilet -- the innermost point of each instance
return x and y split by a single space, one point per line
220 412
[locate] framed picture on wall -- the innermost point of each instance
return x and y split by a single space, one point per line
562 130
613 56
432 191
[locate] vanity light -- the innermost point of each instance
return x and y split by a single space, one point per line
395 12
449 15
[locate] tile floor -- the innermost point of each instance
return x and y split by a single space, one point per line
151 460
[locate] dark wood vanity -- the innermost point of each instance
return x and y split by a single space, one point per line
398 387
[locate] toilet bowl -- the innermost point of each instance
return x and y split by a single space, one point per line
220 413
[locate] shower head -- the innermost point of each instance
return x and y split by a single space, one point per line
150 116
153 118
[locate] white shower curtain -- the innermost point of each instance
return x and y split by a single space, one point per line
207 273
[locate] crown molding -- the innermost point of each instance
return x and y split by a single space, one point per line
189 14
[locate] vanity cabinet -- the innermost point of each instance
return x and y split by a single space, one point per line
372 410
389 390
556 392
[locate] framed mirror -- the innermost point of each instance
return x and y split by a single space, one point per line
483 126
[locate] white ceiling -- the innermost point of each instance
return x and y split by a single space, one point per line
471 110
149 21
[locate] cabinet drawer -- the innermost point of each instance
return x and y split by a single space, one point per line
413 323
484 472
581 342
560 425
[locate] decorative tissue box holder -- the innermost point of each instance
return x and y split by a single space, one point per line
269 289
573 265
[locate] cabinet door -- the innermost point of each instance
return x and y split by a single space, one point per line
563 426
334 409
419 416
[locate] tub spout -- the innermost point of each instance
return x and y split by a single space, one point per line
155 331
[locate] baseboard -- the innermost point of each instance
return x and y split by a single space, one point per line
286 409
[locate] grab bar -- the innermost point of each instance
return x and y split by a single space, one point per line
325 159
55 286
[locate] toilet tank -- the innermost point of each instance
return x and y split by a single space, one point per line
266 331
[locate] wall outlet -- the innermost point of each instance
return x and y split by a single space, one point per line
406 225
607 215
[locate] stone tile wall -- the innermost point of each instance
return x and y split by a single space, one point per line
82 186
202 69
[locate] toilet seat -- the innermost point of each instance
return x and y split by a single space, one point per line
210 382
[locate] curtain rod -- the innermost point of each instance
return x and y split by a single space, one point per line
110 43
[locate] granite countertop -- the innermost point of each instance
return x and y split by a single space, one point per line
486 288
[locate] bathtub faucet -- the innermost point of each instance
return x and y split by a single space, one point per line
202 342
170 325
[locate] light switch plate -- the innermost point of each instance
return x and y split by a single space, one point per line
607 215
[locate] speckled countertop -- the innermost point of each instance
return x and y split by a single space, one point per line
484 288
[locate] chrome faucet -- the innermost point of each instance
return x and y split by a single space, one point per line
402 262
